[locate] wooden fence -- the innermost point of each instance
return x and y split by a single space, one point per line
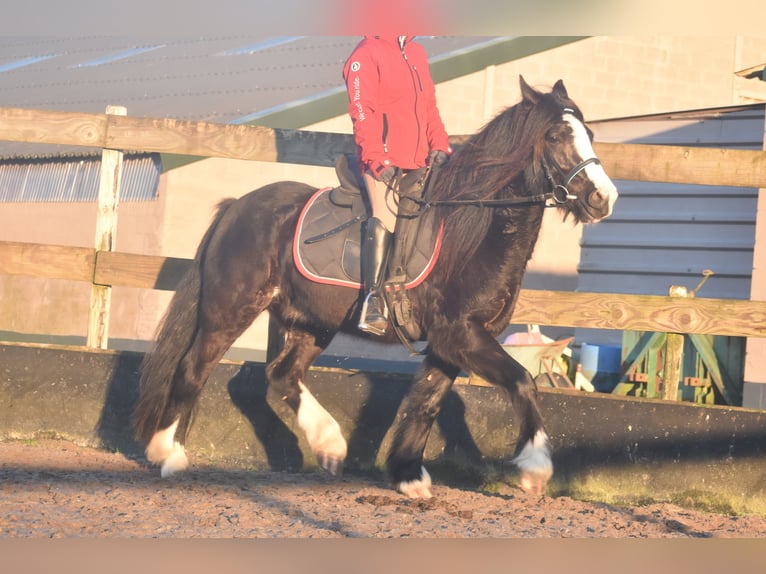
111 131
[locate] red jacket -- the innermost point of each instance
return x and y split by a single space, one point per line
392 103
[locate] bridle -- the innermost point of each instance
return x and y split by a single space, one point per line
560 192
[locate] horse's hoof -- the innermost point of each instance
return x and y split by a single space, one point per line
332 455
418 488
175 463
534 483
330 463
165 451
534 462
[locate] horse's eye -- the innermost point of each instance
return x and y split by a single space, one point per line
552 136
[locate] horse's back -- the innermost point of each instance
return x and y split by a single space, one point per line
254 227
281 197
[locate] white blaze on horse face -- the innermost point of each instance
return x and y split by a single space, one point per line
594 171
322 432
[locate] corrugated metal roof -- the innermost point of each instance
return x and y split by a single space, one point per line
226 79
71 179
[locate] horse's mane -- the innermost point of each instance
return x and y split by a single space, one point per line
498 162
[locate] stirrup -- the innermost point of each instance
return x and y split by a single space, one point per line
370 319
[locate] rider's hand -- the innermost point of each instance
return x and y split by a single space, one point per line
387 174
437 158
384 172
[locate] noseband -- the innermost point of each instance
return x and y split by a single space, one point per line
559 192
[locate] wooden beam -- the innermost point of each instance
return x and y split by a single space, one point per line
226 140
670 164
49 127
675 164
654 313
144 271
192 138
731 317
51 261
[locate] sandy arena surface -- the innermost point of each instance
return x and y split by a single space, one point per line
56 489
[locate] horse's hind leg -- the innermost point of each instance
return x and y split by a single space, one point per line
420 409
285 375
166 447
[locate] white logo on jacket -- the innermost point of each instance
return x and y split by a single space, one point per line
357 100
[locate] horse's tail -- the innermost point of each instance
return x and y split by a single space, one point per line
175 334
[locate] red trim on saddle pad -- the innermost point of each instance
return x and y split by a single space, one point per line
297 254
338 282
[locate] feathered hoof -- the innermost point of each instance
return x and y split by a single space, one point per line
175 463
534 463
331 451
331 463
534 483
418 488
164 451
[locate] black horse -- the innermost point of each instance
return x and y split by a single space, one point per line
489 198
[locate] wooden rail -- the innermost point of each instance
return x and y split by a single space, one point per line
553 308
671 164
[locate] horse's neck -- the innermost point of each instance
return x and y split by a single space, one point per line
519 235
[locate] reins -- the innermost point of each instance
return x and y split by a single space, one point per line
559 193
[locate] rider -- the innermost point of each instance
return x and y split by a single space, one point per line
397 128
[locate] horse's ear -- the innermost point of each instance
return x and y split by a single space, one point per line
528 93
560 90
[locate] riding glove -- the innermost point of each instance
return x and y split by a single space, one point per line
437 158
387 174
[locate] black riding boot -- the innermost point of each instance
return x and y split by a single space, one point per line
374 315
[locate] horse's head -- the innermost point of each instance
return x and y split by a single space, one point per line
574 174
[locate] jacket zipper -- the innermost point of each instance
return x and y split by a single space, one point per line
415 77
385 133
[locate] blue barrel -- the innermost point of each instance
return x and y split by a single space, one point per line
601 365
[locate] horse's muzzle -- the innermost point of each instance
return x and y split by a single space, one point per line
601 202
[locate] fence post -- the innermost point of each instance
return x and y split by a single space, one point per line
106 229
674 353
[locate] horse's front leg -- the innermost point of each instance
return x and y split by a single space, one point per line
286 374
419 410
476 351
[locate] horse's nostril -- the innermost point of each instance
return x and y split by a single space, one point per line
597 199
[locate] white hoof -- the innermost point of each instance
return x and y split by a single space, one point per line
420 488
163 450
534 462
322 432
175 463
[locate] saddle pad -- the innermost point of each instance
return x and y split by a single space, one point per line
327 244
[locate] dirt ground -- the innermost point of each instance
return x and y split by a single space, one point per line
56 489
